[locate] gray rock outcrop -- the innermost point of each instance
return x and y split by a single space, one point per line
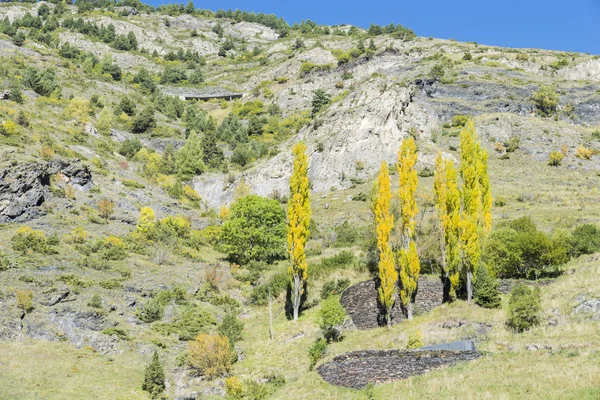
24 187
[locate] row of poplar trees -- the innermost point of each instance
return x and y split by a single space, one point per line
464 216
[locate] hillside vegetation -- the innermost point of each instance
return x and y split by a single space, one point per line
138 223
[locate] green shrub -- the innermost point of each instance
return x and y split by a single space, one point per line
545 100
130 148
118 332
27 240
339 261
24 300
255 230
524 308
512 144
331 314
277 285
317 351
334 288
585 240
233 387
345 235
154 308
486 289
232 327
555 158
516 249
459 120
95 301
415 340
193 320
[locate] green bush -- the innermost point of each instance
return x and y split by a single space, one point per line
545 100
486 289
255 230
232 327
459 120
118 332
317 351
331 314
130 148
585 240
415 340
345 235
28 240
555 158
144 121
524 308
154 308
341 260
516 249
277 284
334 288
192 321
95 301
512 144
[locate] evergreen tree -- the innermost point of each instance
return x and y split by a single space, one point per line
486 290
320 100
408 258
372 45
154 378
388 276
299 220
189 159
213 155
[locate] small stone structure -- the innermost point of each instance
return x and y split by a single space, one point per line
358 369
361 304
206 93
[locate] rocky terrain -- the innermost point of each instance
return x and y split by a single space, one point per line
79 160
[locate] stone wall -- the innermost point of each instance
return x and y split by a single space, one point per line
359 368
361 304
506 285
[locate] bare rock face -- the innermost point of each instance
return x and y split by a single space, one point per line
364 129
589 70
24 187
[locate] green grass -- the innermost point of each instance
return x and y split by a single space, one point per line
42 370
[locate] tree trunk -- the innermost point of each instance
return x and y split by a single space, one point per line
469 286
296 297
409 311
270 315
388 318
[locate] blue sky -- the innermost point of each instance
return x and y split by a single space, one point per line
572 25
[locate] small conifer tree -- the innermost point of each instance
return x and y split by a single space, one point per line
154 379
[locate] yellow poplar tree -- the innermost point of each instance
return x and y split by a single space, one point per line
447 202
298 222
408 257
452 226
388 276
476 202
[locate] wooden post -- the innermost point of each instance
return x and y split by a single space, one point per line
270 315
